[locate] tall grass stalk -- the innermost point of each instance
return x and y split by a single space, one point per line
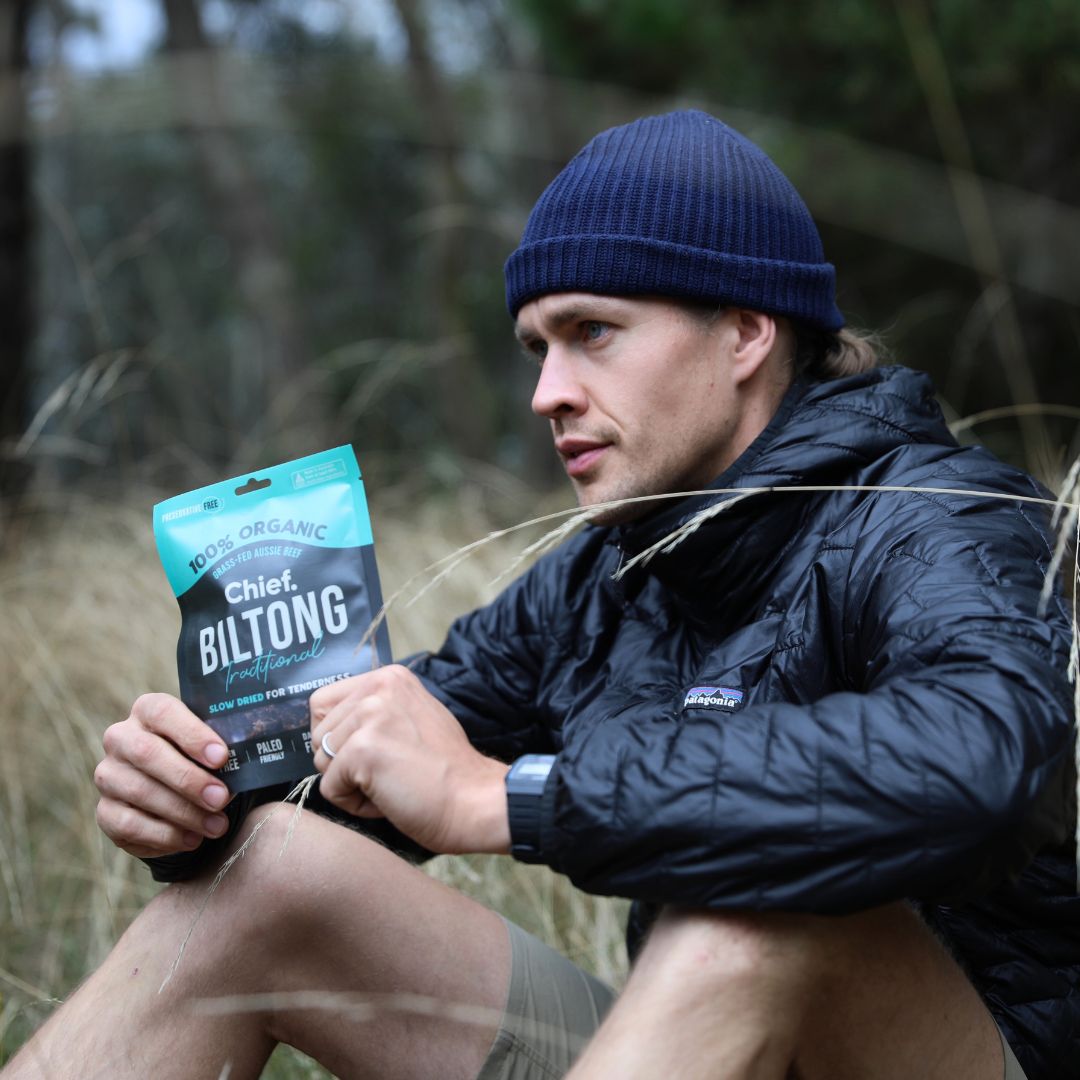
969 195
300 794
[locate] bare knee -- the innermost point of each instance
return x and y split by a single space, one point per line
827 996
698 949
804 967
735 987
276 880
293 863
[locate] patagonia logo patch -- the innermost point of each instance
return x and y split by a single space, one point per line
727 698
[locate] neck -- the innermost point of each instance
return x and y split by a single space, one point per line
760 398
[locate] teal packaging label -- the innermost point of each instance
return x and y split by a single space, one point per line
276 580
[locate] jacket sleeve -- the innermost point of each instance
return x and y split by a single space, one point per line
490 669
939 766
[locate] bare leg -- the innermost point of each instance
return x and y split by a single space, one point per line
337 914
868 997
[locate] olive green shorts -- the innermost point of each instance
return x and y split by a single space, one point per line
552 1009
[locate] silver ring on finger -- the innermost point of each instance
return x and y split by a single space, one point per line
327 749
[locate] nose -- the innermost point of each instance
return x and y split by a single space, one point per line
559 392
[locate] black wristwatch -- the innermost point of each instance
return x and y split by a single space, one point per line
525 783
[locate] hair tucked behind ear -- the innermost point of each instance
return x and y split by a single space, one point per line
819 354
824 355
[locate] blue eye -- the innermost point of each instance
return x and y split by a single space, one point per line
594 330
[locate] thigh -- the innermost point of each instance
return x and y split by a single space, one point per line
352 954
892 1003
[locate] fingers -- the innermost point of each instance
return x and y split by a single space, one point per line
337 787
337 728
181 736
344 774
336 719
361 697
327 697
156 758
322 758
154 798
173 720
324 700
121 783
354 803
140 834
374 725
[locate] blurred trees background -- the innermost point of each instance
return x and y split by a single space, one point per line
281 225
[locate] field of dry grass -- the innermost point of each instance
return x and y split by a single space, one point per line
88 624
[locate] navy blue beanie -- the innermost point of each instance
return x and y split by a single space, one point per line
681 206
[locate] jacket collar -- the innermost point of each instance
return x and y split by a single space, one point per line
823 433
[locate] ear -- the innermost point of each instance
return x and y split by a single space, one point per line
756 337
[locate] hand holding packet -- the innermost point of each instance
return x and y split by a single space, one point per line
276 580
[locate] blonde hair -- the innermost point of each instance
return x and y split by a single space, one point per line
822 354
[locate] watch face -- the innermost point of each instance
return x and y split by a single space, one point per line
532 770
529 774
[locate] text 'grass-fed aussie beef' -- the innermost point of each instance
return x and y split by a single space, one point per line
276 580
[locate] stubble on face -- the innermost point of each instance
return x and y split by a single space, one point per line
650 490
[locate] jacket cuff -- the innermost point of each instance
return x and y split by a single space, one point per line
184 865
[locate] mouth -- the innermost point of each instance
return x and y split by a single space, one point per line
580 456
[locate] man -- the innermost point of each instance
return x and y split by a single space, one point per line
822 737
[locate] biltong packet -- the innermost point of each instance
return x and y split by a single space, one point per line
276 580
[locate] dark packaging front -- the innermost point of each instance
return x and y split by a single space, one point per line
276 580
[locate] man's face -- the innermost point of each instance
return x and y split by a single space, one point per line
641 394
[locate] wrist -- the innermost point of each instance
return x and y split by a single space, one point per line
487 829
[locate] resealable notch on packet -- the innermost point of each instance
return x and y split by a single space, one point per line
276 580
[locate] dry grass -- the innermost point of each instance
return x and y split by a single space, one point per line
88 624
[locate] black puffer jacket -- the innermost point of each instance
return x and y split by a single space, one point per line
881 712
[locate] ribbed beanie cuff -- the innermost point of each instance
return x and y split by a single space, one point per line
682 206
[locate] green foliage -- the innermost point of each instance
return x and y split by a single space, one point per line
389 199
656 43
